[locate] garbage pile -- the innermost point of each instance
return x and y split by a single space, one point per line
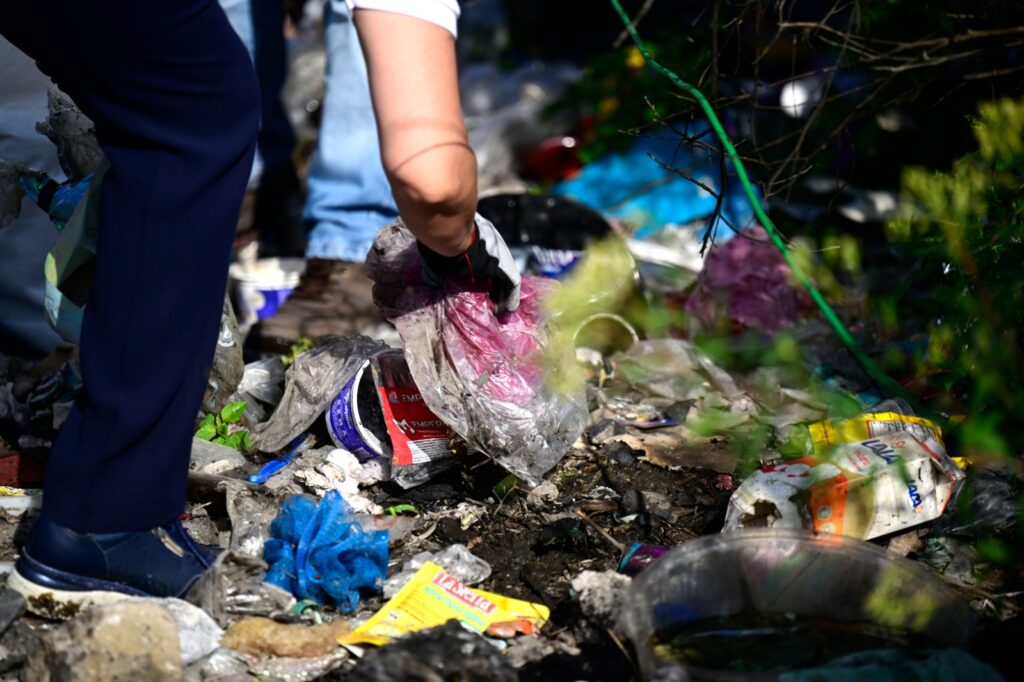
382 509
524 496
584 489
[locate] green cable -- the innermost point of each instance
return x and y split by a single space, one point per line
873 370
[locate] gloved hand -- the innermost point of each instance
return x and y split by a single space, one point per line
487 261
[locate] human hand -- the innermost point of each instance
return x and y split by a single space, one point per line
486 261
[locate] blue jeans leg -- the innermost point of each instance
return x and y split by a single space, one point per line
349 196
260 26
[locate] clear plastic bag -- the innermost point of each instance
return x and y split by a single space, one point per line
456 560
486 377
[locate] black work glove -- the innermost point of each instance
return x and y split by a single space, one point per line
487 262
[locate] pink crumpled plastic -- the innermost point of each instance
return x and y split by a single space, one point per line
485 376
504 351
747 280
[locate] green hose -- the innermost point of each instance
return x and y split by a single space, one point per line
880 378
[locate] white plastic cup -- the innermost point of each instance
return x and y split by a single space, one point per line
260 287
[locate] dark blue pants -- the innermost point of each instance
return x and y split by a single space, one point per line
176 106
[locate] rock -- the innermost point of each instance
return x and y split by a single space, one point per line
605 430
546 491
909 542
298 669
17 643
12 605
200 526
680 410
657 504
523 651
198 634
447 652
600 594
212 459
631 501
620 453
123 642
263 637
222 665
530 649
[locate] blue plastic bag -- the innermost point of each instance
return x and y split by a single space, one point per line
321 552
634 187
59 200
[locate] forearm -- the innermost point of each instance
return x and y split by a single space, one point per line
436 196
426 155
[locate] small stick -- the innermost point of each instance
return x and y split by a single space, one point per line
601 531
624 650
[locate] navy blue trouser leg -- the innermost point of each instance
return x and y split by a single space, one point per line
176 106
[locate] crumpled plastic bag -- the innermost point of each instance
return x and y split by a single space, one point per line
59 200
311 383
233 588
321 552
252 510
483 376
455 559
746 281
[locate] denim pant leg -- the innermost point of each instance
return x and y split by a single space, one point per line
349 196
260 26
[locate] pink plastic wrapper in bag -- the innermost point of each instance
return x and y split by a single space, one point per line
485 377
746 280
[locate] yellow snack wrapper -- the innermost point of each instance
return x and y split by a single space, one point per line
828 433
433 597
825 434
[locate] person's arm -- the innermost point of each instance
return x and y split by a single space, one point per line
424 148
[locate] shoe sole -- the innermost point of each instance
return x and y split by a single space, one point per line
55 604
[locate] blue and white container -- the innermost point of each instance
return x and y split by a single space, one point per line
349 416
261 287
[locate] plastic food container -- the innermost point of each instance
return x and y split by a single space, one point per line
786 573
262 286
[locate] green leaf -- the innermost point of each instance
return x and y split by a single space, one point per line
237 440
206 431
402 509
232 412
994 551
505 486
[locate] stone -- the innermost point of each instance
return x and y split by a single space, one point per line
619 452
264 637
601 595
446 652
546 491
16 645
223 665
657 504
198 634
213 459
124 642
